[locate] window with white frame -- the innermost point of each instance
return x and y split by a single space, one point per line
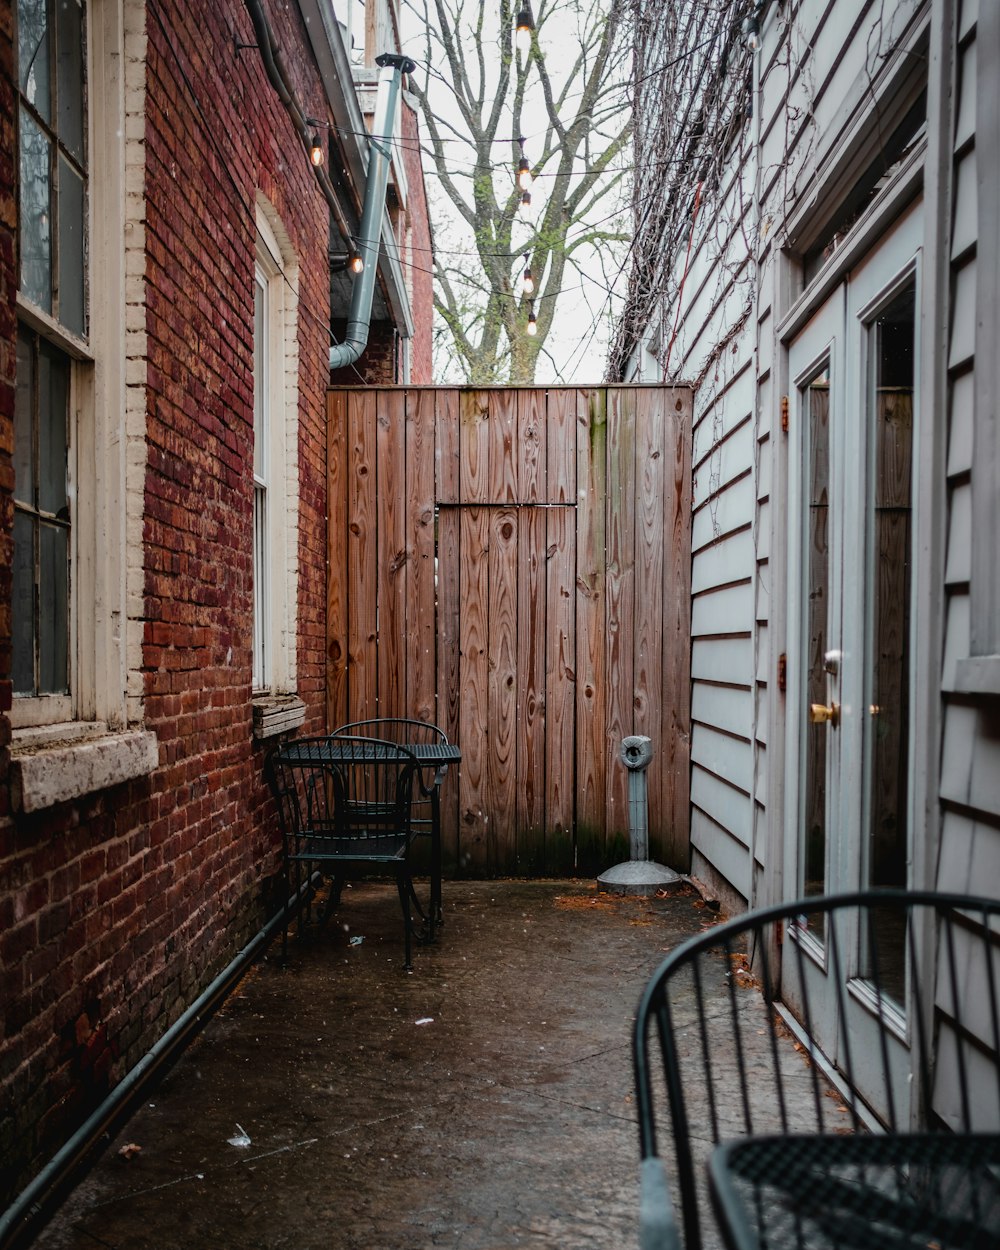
72 490
52 247
275 478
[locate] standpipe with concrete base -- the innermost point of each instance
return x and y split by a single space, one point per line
640 874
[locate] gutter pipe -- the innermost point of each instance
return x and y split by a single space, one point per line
392 66
31 1208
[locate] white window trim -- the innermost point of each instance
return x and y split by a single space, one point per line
277 708
54 762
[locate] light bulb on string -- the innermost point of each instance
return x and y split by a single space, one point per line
524 205
532 323
527 281
523 168
355 263
316 150
524 28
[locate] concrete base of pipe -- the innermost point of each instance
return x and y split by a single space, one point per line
639 877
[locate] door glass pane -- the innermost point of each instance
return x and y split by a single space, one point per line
22 606
890 575
33 54
71 248
816 413
53 604
69 36
35 235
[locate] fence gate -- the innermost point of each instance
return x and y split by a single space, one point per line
515 565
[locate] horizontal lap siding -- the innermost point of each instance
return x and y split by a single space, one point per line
969 859
733 449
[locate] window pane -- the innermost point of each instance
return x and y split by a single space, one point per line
36 232
24 458
71 245
69 37
53 405
33 53
53 609
23 606
260 640
259 376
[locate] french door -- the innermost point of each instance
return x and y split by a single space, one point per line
852 370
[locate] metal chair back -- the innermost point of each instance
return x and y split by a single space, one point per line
717 1058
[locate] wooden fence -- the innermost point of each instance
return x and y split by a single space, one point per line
515 565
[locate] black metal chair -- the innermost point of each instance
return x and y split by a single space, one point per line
426 818
345 806
903 988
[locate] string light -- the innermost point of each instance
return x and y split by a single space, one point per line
524 206
355 262
316 150
527 281
523 168
525 27
532 323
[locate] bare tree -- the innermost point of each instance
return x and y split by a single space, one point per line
485 106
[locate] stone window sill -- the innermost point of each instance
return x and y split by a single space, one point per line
979 674
275 714
62 762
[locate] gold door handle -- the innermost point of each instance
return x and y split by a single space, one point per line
820 713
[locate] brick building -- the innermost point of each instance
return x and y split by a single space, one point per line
171 279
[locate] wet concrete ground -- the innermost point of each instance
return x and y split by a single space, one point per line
483 1102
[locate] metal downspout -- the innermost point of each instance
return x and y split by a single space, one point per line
393 66
31 1207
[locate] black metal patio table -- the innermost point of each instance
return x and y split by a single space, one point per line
932 1191
429 755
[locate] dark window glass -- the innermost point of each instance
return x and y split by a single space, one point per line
35 236
52 158
41 576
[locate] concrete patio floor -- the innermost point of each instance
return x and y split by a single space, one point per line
483 1102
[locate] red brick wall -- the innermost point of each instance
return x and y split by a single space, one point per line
420 259
115 911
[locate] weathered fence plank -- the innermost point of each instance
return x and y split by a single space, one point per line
532 631
560 656
362 560
591 631
619 611
419 453
647 713
448 578
474 629
671 840
337 629
392 652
